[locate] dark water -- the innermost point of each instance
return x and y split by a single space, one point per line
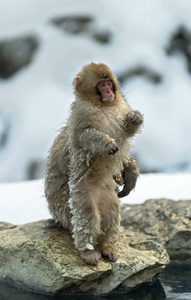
173 284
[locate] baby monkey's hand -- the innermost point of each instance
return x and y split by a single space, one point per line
135 117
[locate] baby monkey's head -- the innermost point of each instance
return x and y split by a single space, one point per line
96 83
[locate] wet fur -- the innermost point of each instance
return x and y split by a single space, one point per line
79 184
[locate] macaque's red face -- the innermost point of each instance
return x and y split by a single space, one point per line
105 88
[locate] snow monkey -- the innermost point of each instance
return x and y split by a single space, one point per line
89 160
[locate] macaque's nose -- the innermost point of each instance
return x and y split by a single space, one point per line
108 90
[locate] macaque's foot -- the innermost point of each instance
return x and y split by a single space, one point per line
91 257
135 117
112 147
109 254
125 191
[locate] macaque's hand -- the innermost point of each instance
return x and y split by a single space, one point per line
135 117
112 147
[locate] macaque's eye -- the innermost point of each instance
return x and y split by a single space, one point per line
110 83
101 84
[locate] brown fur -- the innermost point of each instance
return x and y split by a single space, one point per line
79 184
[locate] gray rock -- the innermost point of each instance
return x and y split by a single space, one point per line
42 258
16 54
83 25
72 24
167 220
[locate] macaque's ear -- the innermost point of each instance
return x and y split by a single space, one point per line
78 82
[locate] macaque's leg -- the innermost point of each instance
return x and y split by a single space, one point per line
130 174
59 206
85 221
110 215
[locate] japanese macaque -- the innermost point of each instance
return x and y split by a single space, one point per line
89 160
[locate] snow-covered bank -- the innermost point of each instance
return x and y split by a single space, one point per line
24 201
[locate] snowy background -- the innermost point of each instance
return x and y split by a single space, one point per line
24 202
44 44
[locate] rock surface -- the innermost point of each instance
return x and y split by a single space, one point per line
42 258
168 220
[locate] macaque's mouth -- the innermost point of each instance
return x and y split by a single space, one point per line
109 98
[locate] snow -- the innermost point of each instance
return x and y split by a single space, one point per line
34 103
24 202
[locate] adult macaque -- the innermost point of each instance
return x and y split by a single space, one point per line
87 159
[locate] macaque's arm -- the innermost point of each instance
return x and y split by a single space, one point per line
96 141
133 122
130 174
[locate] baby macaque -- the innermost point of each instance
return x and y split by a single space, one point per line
89 160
